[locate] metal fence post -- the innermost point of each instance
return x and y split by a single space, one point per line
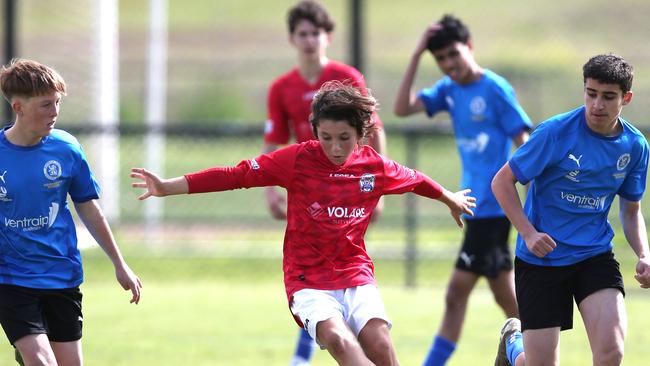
10 45
411 215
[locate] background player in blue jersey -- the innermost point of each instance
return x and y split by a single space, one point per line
40 265
577 162
486 119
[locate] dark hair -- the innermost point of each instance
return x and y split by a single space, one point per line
28 78
311 11
452 30
339 101
609 69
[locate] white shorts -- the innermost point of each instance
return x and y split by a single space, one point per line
355 305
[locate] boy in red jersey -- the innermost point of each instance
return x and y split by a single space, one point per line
333 184
290 95
289 101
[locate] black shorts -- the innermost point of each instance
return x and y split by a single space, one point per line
545 294
485 249
25 311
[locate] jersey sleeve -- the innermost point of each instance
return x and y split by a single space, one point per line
400 179
433 98
83 186
512 117
276 128
531 158
634 184
272 169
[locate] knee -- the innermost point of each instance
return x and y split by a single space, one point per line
338 342
612 355
380 351
455 298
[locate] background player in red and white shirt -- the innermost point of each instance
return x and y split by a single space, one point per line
333 184
290 95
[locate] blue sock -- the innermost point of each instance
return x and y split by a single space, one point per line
305 346
514 346
440 351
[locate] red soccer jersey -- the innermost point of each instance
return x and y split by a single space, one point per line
328 208
290 97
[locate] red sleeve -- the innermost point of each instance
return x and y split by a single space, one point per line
401 179
428 188
276 129
272 169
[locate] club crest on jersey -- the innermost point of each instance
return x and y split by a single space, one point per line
478 106
52 170
367 182
622 161
3 188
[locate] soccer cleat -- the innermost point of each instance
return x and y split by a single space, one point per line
509 327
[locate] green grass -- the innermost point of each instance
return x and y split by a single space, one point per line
211 310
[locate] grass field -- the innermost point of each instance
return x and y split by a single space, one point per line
205 308
213 292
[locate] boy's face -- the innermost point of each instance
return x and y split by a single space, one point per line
38 114
604 103
309 40
455 61
337 139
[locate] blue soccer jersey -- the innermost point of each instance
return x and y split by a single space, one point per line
485 116
38 242
576 174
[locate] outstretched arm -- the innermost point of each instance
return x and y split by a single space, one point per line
636 235
459 203
406 101
93 218
157 186
503 186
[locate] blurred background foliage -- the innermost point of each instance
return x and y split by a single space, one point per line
224 54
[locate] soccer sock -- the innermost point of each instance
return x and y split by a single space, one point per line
304 347
440 351
514 346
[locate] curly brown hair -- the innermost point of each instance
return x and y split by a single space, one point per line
339 101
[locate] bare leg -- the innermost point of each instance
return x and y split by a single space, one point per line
376 343
341 343
503 289
603 313
459 288
68 353
35 350
542 347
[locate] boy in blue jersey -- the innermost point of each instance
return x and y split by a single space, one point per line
486 119
577 162
40 265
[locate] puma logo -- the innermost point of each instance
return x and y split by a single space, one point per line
577 160
467 259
